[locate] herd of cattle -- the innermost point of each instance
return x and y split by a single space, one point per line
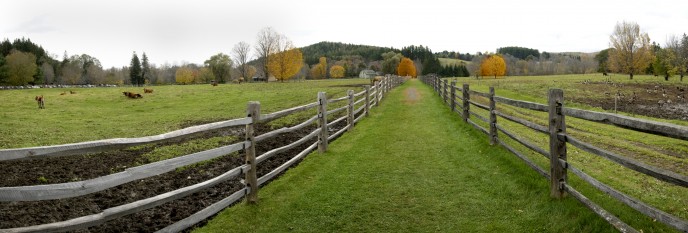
131 95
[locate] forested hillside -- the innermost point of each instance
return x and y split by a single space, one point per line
338 51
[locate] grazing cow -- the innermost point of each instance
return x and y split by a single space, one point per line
213 83
146 90
132 95
63 93
41 104
72 92
376 79
605 74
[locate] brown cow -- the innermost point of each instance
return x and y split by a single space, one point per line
41 103
132 95
72 92
146 90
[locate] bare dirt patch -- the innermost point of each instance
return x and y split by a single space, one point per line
411 96
70 168
654 100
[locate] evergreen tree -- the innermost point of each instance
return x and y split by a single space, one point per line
431 65
3 70
145 68
135 71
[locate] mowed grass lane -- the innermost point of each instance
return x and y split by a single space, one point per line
410 167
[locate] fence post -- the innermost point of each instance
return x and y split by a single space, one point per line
379 93
387 87
557 146
367 99
445 95
251 179
466 105
350 111
436 84
322 122
453 96
493 118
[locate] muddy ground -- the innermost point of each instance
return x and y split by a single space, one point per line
654 100
71 168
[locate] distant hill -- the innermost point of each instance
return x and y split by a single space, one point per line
337 50
452 61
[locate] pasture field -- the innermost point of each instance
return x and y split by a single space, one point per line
101 113
451 62
589 92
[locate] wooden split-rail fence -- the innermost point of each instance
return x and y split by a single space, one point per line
371 96
460 102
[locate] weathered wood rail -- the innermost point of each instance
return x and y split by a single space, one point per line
556 154
368 98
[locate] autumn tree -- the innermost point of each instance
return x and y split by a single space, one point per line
184 75
135 71
337 71
21 67
205 75
48 72
631 53
251 71
406 68
679 60
71 73
240 55
221 65
287 60
319 70
390 61
266 44
493 65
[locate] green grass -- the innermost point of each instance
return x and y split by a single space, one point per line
410 167
650 149
101 113
451 62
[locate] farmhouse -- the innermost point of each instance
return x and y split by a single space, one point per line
367 74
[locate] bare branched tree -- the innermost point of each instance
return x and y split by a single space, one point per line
240 55
266 45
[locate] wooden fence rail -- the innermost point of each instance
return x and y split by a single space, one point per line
556 154
74 189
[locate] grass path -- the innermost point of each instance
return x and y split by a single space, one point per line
409 168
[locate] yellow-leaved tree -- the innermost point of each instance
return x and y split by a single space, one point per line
406 68
319 70
632 53
286 62
285 65
184 75
493 65
337 71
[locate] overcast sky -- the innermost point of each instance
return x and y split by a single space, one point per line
192 31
